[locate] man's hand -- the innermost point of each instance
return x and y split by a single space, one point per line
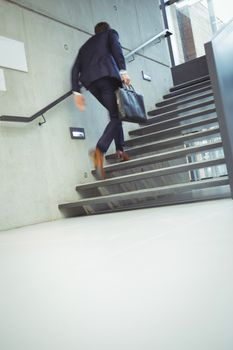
126 79
79 101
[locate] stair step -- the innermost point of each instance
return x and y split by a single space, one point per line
183 97
148 174
144 198
193 88
190 83
167 115
166 143
162 112
166 132
177 104
170 122
165 156
141 182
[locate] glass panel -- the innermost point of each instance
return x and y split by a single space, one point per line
214 171
193 23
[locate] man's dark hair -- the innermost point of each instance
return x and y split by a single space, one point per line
101 27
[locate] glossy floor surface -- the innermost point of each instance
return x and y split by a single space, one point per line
153 279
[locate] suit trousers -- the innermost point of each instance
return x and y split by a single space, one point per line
104 90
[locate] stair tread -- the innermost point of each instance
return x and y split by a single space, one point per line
192 88
190 83
184 101
169 141
177 105
161 156
180 110
152 173
172 129
182 98
173 120
162 190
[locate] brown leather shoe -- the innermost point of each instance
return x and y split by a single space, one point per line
98 160
123 156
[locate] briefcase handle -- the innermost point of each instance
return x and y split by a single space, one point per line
128 87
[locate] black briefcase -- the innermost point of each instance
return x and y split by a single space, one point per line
130 105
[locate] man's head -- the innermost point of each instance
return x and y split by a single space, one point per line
101 27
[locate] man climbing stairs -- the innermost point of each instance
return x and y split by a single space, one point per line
176 157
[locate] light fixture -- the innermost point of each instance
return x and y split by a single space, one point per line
77 133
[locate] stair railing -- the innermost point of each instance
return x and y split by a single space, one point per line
12 118
165 33
40 113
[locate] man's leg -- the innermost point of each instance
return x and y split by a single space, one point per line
104 91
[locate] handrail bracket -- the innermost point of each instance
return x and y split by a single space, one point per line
44 120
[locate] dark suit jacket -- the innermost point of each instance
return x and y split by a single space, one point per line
101 56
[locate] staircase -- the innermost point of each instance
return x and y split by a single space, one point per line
176 157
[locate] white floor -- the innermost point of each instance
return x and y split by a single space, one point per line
154 279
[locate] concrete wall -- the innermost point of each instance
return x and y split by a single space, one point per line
40 166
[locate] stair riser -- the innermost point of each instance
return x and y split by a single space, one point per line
180 98
176 112
183 103
210 193
172 122
191 83
167 133
188 89
148 194
164 144
179 107
149 179
140 185
161 157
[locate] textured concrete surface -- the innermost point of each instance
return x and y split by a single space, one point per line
40 166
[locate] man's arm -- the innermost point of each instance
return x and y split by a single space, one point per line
118 55
79 101
75 72
116 49
76 86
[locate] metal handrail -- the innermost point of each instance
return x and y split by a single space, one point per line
12 118
165 33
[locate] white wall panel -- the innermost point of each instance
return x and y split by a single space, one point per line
12 54
2 81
